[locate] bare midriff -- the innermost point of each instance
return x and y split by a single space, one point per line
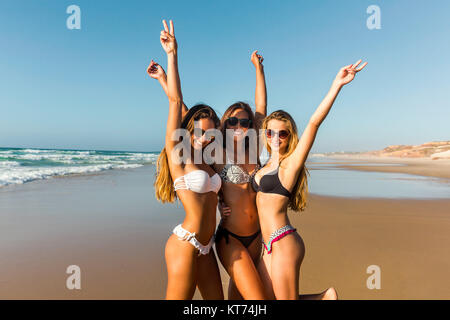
200 211
241 199
272 210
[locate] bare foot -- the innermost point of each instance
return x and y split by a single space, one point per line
329 294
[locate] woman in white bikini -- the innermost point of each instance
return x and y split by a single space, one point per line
189 258
238 237
282 184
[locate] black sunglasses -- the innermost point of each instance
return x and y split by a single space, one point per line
245 123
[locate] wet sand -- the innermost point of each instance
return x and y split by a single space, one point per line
113 228
422 167
408 239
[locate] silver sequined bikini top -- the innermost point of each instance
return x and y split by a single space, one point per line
235 174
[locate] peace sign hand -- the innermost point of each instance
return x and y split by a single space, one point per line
347 73
167 38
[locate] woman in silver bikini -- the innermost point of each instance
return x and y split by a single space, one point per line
189 258
282 184
238 236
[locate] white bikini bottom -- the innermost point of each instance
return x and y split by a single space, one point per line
185 235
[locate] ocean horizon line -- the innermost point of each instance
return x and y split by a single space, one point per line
74 149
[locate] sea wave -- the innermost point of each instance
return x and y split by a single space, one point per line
18 166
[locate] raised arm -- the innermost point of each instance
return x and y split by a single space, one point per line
157 72
344 76
169 45
260 92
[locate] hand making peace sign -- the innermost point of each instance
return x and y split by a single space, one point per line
167 38
347 73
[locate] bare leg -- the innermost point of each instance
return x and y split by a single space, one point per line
264 268
208 277
181 263
239 264
287 256
233 292
254 250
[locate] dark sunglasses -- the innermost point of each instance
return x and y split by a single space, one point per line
283 134
245 123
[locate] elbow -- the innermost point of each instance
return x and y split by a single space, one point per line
314 123
175 100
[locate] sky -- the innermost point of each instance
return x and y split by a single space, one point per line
88 88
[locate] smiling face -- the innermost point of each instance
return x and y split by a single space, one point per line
277 135
238 129
198 139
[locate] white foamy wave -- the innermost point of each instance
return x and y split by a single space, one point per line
8 164
22 175
18 166
35 151
318 155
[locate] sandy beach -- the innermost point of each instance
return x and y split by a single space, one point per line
422 167
407 239
111 226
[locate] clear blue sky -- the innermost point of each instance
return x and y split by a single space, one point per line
88 89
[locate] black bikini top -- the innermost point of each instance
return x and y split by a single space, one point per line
270 183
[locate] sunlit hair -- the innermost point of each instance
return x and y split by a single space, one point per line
299 194
164 189
236 106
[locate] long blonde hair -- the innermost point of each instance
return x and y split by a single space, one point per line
164 190
299 194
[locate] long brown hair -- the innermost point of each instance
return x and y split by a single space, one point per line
299 194
164 190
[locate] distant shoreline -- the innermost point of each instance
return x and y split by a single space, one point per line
431 150
414 166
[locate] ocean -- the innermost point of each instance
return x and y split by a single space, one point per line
20 165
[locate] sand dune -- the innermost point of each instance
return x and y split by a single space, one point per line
432 150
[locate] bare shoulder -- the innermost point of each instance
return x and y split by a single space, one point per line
288 173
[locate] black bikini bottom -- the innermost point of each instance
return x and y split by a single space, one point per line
246 241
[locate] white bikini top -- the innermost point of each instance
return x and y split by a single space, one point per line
198 181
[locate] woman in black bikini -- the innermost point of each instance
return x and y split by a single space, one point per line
282 184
